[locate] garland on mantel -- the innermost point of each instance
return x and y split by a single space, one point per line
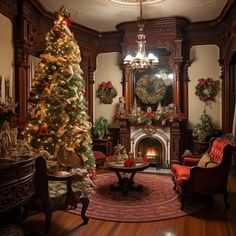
156 118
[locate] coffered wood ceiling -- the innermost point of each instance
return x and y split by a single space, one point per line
104 15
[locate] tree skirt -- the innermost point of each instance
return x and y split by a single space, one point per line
157 201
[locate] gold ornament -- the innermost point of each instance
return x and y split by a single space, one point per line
65 117
33 128
61 131
53 67
49 57
50 140
62 82
67 73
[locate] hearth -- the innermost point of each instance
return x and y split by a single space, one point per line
155 145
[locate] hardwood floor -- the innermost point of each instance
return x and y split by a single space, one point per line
215 220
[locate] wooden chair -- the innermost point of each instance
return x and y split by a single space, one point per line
55 192
207 173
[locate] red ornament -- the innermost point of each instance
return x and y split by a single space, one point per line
68 21
43 131
46 85
83 92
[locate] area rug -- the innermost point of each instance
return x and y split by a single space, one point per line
157 201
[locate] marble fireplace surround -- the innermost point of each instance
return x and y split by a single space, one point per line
170 136
162 135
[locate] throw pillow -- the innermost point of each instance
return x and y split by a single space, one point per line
205 159
211 165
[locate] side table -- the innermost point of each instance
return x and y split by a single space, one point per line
125 175
200 147
104 145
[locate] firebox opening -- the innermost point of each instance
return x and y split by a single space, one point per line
151 148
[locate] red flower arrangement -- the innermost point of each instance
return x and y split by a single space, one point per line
129 163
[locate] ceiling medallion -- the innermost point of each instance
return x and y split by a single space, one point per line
134 2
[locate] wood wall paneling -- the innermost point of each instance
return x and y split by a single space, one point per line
31 23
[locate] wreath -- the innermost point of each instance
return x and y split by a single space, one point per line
150 89
106 92
206 89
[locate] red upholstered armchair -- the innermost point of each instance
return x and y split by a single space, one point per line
204 174
100 158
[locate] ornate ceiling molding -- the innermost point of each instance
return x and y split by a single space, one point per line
135 2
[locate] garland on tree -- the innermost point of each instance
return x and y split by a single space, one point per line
206 89
57 106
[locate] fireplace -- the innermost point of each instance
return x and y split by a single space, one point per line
170 138
155 145
152 149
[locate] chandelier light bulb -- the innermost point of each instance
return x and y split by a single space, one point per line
141 61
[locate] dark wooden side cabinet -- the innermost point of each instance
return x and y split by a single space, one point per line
16 182
104 145
199 147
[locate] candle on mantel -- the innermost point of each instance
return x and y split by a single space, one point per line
7 88
2 89
11 79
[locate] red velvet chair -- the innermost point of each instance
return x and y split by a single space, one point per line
190 178
100 158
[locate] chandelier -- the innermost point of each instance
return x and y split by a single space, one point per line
141 61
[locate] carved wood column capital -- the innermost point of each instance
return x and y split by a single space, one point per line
222 71
91 75
21 54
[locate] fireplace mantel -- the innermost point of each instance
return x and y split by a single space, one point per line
176 129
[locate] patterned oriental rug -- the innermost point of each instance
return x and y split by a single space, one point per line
157 201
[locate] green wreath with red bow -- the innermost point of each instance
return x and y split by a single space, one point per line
206 89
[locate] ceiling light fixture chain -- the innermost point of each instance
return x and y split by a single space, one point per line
140 61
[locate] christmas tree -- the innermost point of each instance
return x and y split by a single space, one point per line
58 121
204 129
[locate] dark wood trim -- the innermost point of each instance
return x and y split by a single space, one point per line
31 23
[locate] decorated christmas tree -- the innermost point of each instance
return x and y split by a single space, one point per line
204 129
58 121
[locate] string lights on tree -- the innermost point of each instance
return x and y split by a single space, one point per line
57 106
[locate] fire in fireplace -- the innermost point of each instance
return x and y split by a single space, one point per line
150 147
152 153
156 146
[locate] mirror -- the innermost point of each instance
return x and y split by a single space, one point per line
153 87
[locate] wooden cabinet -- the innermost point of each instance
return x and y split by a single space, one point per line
16 182
200 147
104 145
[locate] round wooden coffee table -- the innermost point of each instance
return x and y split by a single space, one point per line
126 175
